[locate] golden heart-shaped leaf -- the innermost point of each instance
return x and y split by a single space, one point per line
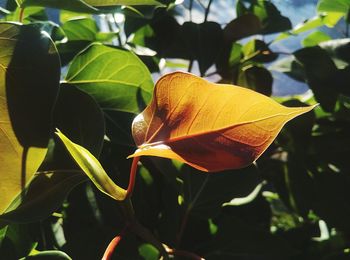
209 126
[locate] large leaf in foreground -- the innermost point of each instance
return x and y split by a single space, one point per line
88 6
208 126
29 80
92 168
116 78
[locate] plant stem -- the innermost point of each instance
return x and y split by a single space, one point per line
132 179
190 66
188 210
207 10
113 244
21 14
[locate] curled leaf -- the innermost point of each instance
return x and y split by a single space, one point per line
92 168
209 126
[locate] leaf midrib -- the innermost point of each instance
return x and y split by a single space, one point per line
211 131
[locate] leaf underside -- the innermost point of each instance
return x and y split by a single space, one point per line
209 126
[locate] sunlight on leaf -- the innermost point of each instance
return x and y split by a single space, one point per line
92 168
29 80
209 126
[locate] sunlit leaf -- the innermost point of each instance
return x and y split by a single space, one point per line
29 80
92 168
208 126
89 6
315 38
116 78
333 6
48 255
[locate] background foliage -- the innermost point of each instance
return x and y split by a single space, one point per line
91 64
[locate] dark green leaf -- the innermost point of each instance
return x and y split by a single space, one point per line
339 50
241 27
256 78
291 67
270 17
235 238
203 42
319 70
205 194
79 116
45 194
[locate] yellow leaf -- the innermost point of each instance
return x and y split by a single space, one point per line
209 126
29 80
92 168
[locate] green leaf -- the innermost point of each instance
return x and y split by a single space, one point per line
48 255
2 234
333 6
72 5
122 2
84 29
116 78
270 17
148 252
92 168
31 14
88 6
258 51
289 66
45 194
29 80
328 19
236 54
315 38
17 242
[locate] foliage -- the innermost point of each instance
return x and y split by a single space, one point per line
89 75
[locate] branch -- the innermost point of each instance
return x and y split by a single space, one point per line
132 179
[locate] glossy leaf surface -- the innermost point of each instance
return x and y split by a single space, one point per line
116 78
29 79
208 126
92 168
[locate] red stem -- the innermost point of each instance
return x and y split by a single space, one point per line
132 179
113 244
21 14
